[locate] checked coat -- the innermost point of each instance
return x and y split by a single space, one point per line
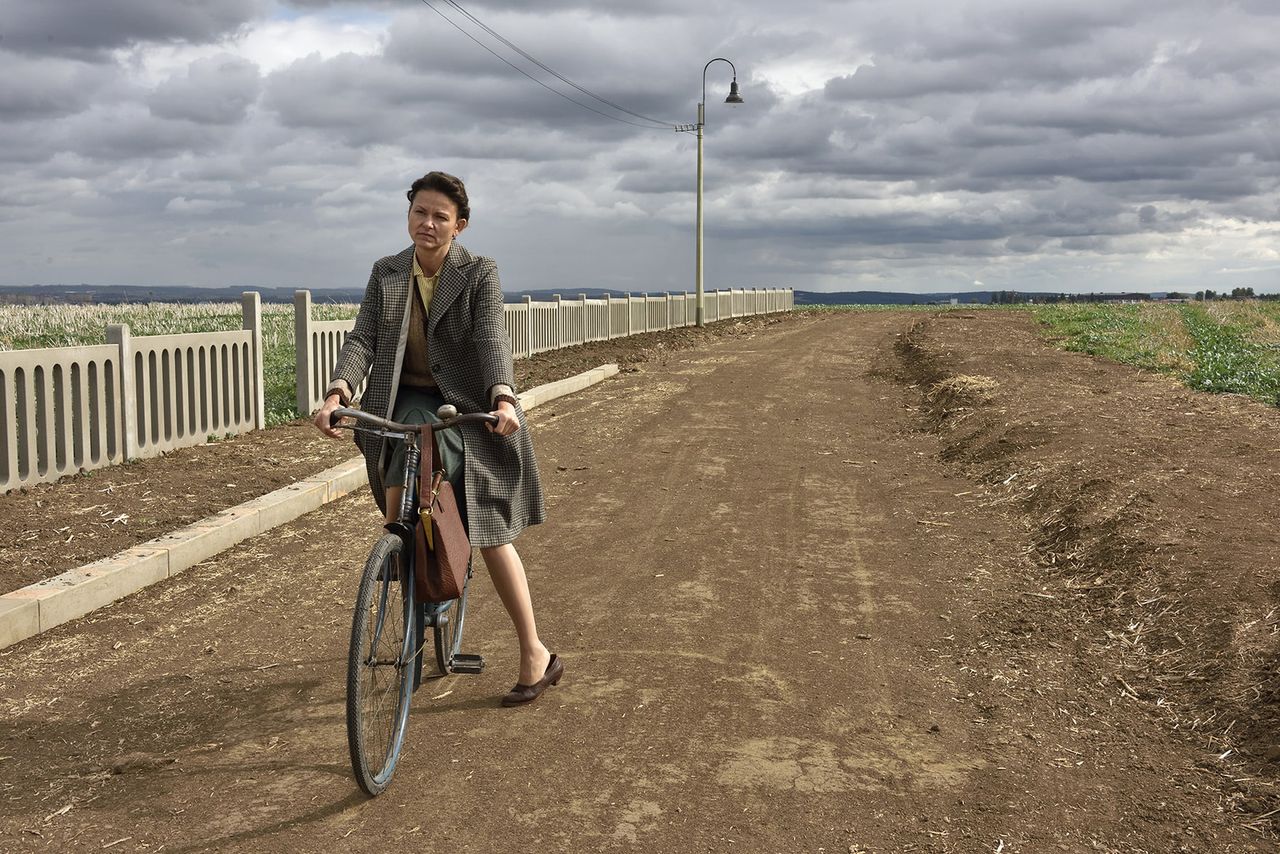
470 353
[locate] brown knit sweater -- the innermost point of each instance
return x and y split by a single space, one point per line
416 370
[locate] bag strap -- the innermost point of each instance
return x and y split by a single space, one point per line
429 452
436 463
428 483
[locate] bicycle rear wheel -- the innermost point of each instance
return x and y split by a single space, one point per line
380 664
448 627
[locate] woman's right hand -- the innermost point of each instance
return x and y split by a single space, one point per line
324 416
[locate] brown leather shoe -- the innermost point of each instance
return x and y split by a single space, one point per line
521 694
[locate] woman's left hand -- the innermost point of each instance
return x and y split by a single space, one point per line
508 423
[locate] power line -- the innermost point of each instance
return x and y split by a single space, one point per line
553 72
656 124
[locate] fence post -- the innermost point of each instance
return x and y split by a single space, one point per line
528 325
667 305
559 322
586 325
251 311
304 356
608 317
628 296
118 334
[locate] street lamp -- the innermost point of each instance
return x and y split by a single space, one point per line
734 98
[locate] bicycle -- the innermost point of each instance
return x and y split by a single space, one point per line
388 629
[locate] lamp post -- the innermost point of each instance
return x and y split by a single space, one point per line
734 98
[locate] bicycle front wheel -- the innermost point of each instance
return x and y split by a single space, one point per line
380 665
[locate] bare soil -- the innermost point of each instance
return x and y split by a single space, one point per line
842 582
49 528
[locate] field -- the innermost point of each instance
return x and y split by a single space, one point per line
1225 347
29 327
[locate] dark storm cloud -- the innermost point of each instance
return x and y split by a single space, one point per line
87 26
46 87
483 9
432 84
603 60
213 91
124 133
646 177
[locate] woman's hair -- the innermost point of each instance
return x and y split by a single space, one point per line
443 182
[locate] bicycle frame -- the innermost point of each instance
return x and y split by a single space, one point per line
423 614
393 558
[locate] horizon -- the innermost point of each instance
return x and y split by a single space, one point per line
51 291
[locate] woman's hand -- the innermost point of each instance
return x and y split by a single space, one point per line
324 416
508 423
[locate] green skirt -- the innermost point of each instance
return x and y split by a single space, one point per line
418 406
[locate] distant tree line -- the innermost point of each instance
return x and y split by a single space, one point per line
1236 293
1017 298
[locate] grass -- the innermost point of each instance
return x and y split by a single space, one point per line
30 327
1223 346
1229 357
1146 336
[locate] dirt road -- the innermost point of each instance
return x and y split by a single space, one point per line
791 622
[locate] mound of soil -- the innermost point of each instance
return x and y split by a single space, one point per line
1150 512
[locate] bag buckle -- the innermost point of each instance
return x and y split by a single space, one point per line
424 515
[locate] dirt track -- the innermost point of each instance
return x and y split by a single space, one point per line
803 606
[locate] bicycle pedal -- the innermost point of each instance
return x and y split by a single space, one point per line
463 663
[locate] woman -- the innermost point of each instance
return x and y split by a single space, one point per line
430 331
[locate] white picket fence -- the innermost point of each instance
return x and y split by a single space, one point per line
70 409
544 325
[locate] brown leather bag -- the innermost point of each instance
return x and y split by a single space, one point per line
440 539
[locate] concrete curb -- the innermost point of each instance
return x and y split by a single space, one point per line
45 604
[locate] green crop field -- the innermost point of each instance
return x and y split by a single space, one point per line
1223 346
26 327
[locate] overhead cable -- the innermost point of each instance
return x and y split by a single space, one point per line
654 124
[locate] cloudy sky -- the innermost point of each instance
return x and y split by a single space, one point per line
909 145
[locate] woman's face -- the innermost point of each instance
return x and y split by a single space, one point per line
433 221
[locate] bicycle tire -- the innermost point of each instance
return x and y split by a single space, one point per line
448 638
379 665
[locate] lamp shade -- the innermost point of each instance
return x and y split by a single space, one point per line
734 97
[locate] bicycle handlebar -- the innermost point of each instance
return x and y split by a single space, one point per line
448 415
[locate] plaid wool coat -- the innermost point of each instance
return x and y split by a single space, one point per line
470 353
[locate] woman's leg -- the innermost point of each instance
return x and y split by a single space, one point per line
395 494
507 571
